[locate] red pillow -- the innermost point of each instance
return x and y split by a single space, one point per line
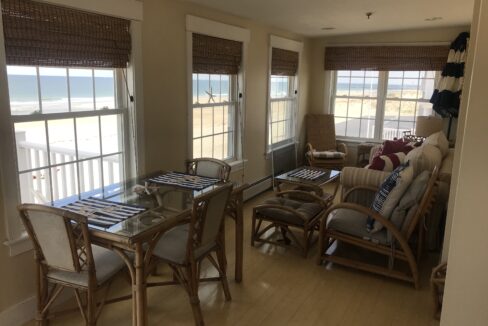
395 146
387 162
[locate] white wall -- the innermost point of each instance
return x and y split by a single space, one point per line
465 300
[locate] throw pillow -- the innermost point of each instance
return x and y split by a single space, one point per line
425 157
387 162
328 154
389 194
440 141
395 146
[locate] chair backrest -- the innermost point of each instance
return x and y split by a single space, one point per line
321 131
60 237
209 167
207 215
425 204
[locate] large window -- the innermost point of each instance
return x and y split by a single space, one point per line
380 105
214 116
281 128
68 125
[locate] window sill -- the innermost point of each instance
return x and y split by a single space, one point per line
19 246
357 140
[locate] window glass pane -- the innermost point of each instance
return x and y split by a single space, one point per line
392 110
405 126
215 88
225 88
207 146
410 87
357 73
340 126
113 167
30 138
369 109
228 145
54 89
23 91
81 89
340 107
424 108
35 187
197 148
394 88
194 87
367 128
395 74
197 122
104 89
371 87
207 121
390 129
353 127
65 182
203 85
357 87
228 117
62 140
411 74
90 177
354 108
218 119
407 110
88 137
218 145
342 73
112 137
342 86
426 88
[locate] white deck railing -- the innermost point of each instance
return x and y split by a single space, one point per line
35 185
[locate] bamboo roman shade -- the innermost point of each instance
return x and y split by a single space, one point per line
284 62
48 35
386 57
213 55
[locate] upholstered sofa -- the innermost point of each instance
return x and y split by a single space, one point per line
425 157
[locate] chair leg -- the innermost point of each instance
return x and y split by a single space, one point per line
253 228
42 296
223 273
90 308
192 274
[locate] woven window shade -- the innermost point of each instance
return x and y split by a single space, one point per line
386 57
213 55
284 62
48 35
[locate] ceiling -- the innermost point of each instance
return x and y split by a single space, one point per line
308 17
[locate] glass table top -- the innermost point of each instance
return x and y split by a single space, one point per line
309 175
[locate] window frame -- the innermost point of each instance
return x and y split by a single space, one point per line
381 98
204 26
16 238
291 45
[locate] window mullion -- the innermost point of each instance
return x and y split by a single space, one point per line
380 104
39 94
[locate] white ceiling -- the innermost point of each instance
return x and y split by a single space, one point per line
307 17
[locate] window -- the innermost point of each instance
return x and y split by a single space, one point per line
68 125
281 129
380 104
214 115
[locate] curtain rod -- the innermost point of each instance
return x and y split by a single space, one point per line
389 44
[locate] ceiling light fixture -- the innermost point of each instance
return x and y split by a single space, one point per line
431 19
369 14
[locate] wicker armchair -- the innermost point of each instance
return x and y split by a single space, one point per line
293 209
208 167
346 222
321 137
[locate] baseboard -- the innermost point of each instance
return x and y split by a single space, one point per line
22 312
257 188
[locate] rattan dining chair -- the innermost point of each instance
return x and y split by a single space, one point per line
208 167
65 258
184 247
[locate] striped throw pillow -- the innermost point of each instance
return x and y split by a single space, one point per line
387 162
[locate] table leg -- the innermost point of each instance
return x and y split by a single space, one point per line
239 238
140 287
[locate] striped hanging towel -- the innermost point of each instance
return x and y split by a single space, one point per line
446 97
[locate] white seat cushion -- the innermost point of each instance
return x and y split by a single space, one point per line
107 264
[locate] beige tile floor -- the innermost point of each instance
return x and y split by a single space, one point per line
282 288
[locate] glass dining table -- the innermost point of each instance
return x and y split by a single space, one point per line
166 205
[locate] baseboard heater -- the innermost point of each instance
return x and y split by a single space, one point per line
257 188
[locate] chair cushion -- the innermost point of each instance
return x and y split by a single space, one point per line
389 194
172 245
351 222
107 264
328 154
307 210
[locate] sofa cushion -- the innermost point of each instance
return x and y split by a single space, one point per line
389 194
387 162
306 209
352 222
440 141
425 157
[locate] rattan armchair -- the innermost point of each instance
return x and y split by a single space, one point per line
288 211
65 258
321 136
346 222
184 247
